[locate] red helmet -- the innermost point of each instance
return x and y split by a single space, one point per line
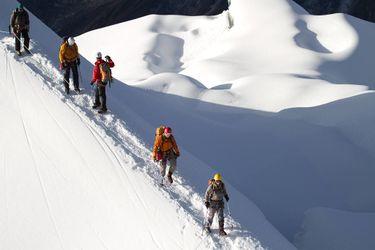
168 130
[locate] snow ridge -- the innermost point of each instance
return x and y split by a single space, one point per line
125 150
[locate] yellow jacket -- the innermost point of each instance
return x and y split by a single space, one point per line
68 53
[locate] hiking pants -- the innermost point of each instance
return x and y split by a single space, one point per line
171 157
100 96
215 207
71 66
26 39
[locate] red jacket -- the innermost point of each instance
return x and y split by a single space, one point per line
96 74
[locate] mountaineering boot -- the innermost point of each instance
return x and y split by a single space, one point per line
207 230
169 176
95 106
222 232
161 181
102 111
221 229
77 90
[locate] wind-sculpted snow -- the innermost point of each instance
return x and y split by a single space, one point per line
71 179
280 103
325 228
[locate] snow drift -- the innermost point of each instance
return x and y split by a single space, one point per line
333 229
222 91
71 179
279 104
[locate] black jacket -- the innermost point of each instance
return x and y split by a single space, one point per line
19 19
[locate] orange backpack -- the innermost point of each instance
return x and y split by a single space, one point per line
159 131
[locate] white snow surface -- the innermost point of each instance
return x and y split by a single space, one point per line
71 179
337 230
280 104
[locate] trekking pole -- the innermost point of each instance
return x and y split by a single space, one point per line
203 238
229 214
19 39
22 44
204 220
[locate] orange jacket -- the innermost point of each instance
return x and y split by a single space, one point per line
68 53
165 144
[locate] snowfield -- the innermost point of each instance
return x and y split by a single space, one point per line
71 179
280 104
333 229
281 101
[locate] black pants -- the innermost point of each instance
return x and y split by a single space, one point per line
71 66
100 97
26 39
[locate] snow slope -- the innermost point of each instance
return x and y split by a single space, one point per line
333 229
71 179
222 91
245 62
63 187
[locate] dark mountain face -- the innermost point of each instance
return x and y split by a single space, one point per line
73 17
364 9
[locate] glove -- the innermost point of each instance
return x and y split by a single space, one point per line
177 154
14 29
92 82
207 204
100 83
226 198
78 61
107 58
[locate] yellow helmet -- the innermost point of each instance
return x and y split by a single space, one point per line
217 177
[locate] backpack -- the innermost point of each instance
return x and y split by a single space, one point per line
215 187
159 131
106 72
20 18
